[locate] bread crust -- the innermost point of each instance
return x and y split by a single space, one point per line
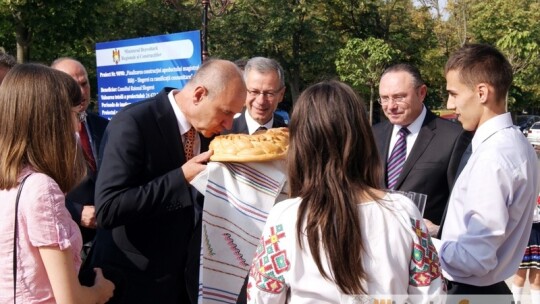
259 147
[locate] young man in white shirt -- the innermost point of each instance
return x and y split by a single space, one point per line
489 215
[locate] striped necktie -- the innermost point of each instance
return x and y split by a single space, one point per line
397 158
189 142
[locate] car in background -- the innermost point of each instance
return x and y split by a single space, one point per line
524 122
446 114
284 114
533 134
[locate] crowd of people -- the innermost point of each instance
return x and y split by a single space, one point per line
103 212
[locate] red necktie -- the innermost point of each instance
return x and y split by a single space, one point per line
87 149
188 145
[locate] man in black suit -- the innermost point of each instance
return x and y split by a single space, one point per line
434 146
80 200
148 215
265 82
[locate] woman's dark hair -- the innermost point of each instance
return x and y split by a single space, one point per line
332 161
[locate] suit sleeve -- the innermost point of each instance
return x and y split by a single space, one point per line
132 185
80 196
75 209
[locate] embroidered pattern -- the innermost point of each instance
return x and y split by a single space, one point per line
270 262
257 180
244 207
207 242
235 250
424 266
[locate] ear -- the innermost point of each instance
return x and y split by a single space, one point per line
282 94
198 94
422 92
482 91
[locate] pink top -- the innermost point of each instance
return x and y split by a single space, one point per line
43 221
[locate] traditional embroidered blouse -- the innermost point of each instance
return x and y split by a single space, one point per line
400 259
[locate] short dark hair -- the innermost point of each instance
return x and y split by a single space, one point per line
477 63
406 67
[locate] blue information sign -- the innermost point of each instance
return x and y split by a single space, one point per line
134 69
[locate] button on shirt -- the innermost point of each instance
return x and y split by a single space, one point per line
490 209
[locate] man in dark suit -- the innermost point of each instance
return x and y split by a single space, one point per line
80 200
265 82
148 215
433 146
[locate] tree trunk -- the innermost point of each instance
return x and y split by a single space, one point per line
23 37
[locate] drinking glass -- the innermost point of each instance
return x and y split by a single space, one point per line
419 199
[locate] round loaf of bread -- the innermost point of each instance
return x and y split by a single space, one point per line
264 146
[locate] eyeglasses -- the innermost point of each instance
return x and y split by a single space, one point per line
270 94
386 100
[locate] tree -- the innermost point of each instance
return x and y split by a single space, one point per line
294 32
361 63
43 27
512 27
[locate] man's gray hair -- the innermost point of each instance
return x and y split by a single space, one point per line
265 65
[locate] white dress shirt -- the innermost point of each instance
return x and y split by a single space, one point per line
253 125
183 124
414 129
490 210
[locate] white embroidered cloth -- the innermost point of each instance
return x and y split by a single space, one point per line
238 197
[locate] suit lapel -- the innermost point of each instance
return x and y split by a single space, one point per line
242 127
423 139
168 126
385 143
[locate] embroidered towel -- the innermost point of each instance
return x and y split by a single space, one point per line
238 197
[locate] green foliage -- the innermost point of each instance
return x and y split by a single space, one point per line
512 26
361 62
312 39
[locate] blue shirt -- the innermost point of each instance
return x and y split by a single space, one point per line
489 216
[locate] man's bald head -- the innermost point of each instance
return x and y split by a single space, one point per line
76 70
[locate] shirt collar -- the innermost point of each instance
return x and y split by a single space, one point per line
490 127
414 127
253 125
183 124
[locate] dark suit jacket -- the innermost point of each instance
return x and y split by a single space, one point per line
432 163
145 211
240 124
83 193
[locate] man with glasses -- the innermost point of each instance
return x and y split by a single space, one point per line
421 152
265 83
